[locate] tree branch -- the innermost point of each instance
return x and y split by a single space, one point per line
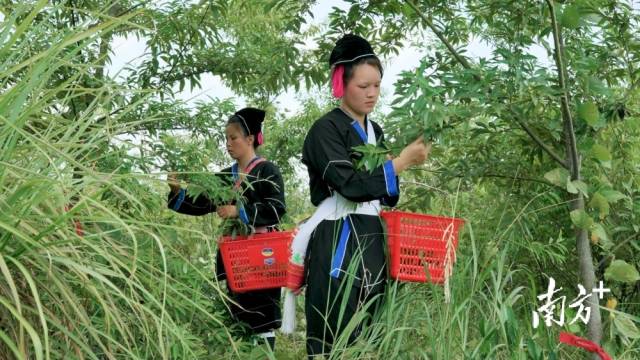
440 36
519 178
463 61
618 246
585 258
485 175
570 137
541 143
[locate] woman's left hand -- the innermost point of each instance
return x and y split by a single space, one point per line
227 211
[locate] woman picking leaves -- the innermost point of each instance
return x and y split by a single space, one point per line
261 187
341 247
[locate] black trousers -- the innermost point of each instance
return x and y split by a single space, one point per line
259 310
358 285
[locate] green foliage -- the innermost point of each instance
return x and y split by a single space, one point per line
581 219
372 156
626 327
620 270
126 285
139 282
589 113
499 111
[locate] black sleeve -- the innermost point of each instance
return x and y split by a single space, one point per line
326 153
387 200
270 206
184 203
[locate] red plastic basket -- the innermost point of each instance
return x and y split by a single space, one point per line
418 243
257 261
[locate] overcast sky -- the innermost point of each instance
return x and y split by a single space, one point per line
130 49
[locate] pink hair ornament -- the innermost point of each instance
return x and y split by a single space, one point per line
336 81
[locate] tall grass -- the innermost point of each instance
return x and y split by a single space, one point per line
127 286
489 314
483 320
137 283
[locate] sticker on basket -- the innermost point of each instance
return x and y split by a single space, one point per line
269 261
267 252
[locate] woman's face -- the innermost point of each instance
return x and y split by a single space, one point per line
362 91
238 145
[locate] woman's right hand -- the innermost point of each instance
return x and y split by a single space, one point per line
174 183
413 154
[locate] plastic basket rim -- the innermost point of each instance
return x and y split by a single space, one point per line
226 239
413 214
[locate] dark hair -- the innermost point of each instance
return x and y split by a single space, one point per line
236 120
349 68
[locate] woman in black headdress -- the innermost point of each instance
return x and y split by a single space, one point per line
262 208
345 265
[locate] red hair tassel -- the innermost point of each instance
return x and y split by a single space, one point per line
336 81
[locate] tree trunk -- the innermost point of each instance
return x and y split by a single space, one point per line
571 162
583 246
587 276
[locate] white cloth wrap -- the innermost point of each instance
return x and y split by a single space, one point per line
332 208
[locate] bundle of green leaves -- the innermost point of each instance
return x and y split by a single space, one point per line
192 164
